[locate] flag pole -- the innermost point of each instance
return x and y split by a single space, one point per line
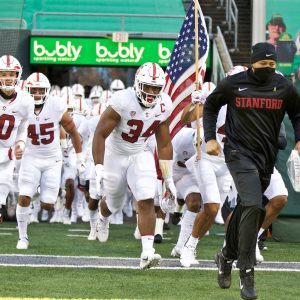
197 76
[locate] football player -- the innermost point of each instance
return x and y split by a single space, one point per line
42 160
15 108
121 157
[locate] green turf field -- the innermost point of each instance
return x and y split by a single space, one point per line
57 239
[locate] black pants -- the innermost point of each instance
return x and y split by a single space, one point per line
249 212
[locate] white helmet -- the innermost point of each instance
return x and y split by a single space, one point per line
235 70
69 101
78 90
38 80
98 109
117 85
207 88
80 107
66 90
149 74
9 63
95 96
105 97
97 88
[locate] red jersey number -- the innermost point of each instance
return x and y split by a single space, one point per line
47 135
137 129
7 123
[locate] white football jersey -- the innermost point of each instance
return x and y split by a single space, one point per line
220 134
43 137
137 124
183 147
12 113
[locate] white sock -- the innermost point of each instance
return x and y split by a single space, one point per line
22 214
93 218
260 233
192 242
67 212
103 219
187 223
159 226
147 244
224 243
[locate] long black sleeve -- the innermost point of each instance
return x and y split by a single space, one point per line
293 110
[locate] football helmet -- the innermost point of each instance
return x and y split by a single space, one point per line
117 85
21 85
105 97
78 90
148 83
66 90
9 63
235 70
70 102
95 96
38 80
207 88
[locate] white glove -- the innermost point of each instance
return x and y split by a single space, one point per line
99 169
80 164
168 201
198 97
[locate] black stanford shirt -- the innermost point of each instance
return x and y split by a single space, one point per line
255 111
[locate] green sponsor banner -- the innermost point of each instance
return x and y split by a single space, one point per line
99 51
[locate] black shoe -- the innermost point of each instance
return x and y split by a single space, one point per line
262 246
176 218
158 239
247 285
224 270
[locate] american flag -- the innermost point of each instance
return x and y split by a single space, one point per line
181 70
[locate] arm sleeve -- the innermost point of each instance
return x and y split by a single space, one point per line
293 110
219 97
22 131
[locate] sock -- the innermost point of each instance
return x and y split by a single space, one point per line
147 244
192 242
159 226
187 223
102 218
224 243
22 214
93 218
67 212
261 230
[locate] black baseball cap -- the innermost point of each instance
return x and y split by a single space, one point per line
263 51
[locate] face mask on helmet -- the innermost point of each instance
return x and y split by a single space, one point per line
10 73
38 86
78 90
149 83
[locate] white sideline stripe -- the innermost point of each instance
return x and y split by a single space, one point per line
133 267
132 258
77 235
79 230
5 233
7 228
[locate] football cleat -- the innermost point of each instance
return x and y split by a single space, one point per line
224 270
158 239
247 285
176 252
67 220
149 261
22 244
93 235
188 257
102 230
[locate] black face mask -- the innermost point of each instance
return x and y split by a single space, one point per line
263 74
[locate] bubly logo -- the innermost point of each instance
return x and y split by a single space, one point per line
163 52
60 50
122 52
